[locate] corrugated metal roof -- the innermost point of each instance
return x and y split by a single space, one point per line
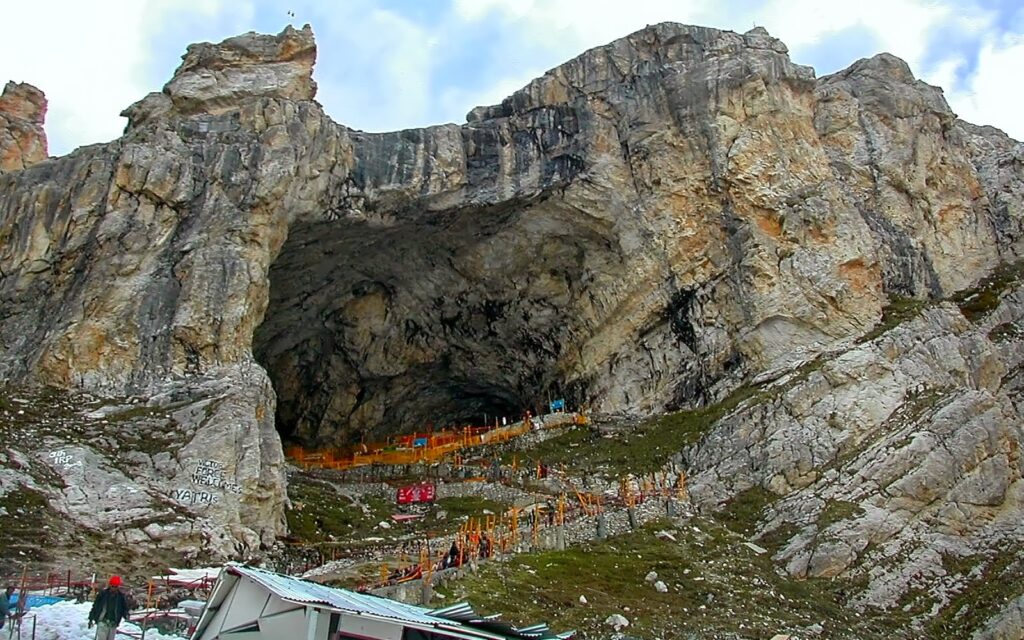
458 619
534 630
463 612
304 591
460 611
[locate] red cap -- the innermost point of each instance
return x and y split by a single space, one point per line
115 581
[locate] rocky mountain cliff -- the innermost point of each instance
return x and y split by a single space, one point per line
649 226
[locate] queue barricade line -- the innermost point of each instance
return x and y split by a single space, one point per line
438 445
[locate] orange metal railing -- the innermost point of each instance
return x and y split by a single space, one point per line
422 447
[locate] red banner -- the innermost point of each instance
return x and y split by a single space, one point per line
423 492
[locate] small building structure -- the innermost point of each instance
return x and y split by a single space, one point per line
247 603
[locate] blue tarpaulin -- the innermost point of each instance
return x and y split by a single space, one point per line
33 600
557 405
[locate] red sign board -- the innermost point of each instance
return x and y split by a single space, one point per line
422 492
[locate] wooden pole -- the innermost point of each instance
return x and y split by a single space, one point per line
515 525
536 522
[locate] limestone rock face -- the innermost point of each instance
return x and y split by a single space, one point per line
897 459
644 227
925 199
22 138
193 469
147 277
214 78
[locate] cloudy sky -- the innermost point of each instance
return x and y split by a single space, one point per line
393 64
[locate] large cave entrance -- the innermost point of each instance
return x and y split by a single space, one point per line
425 320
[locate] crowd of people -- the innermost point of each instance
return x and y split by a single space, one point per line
478 544
464 548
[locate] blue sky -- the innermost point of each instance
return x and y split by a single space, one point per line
393 64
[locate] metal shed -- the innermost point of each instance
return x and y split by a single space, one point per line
253 604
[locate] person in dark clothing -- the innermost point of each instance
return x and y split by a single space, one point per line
454 555
109 609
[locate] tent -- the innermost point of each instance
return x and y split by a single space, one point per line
253 604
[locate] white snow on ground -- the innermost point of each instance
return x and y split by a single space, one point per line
69 621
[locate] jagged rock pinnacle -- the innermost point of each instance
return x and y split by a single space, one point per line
22 138
214 78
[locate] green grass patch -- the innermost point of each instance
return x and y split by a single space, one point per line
961 565
642 449
742 512
457 510
899 310
28 414
648 446
916 602
461 507
838 511
320 513
149 431
714 585
979 301
560 449
30 526
777 539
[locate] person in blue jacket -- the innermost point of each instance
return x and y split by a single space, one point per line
5 606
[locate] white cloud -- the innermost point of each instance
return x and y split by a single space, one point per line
992 95
944 73
374 66
901 26
580 24
84 56
455 99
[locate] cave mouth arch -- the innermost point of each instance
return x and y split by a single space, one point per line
448 318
